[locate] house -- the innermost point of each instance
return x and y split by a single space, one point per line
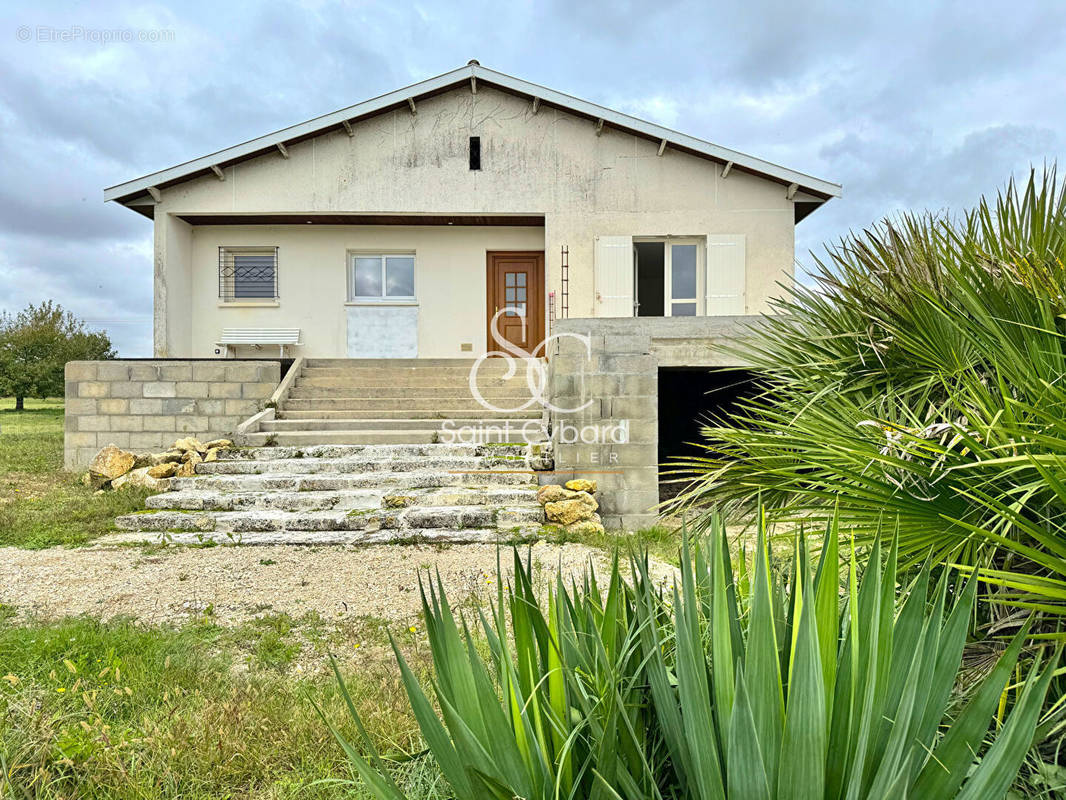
408 236
400 226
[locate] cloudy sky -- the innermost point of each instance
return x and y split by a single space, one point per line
907 104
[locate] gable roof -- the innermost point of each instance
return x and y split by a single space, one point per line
472 74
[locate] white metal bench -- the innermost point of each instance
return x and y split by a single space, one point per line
257 337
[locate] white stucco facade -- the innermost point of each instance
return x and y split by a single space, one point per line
585 182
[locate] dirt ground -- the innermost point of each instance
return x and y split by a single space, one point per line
234 584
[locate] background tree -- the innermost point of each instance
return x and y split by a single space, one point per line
37 343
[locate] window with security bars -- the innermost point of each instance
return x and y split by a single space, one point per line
247 273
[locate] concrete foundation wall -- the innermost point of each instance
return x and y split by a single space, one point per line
611 373
146 405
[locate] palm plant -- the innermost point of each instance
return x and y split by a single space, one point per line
920 380
737 685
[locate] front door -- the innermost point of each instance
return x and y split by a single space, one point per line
516 282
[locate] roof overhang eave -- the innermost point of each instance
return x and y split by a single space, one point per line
342 119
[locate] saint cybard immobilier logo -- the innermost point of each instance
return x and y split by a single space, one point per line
535 366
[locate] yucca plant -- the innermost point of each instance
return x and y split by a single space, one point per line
735 685
549 703
919 380
768 690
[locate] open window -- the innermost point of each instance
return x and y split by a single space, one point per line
668 278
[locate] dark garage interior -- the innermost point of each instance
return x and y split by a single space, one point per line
688 397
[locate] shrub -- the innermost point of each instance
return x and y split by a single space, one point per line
919 380
730 686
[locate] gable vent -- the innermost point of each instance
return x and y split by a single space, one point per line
475 152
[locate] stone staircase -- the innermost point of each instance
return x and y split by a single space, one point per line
354 456
392 401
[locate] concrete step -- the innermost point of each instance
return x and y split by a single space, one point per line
390 380
303 437
345 424
391 482
259 520
451 393
346 500
414 406
310 466
426 364
334 538
433 414
515 434
373 451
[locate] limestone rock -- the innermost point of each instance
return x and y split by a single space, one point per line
166 469
397 501
553 493
581 485
169 457
140 478
188 467
189 444
212 454
188 455
219 444
87 480
567 512
587 527
539 456
109 464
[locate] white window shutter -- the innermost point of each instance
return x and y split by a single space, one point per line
726 274
614 276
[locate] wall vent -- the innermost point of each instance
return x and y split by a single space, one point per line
475 152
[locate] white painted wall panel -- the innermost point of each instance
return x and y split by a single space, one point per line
382 331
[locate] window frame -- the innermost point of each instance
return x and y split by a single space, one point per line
668 271
227 284
383 299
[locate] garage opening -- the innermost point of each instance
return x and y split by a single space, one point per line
689 397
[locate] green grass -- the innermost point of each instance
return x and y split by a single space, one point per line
40 504
31 441
661 542
118 710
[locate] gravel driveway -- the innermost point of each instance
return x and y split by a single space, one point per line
175 583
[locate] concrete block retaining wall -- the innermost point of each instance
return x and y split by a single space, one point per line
146 405
615 377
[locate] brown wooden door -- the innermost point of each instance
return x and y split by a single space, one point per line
516 280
